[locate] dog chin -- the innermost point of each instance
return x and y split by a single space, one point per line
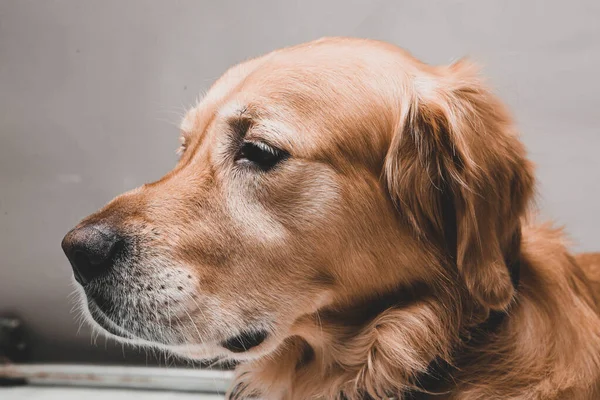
95 317
106 324
248 345
98 320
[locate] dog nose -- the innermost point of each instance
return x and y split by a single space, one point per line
91 250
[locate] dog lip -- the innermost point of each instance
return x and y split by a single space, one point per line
104 321
245 341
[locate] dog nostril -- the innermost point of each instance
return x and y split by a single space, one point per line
84 265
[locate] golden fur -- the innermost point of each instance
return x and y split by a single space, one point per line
378 249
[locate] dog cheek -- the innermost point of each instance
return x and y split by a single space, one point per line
308 201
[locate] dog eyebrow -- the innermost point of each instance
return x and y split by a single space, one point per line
238 118
253 125
240 125
272 133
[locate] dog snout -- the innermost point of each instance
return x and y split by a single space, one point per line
91 250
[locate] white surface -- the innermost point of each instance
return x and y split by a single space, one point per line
190 380
58 393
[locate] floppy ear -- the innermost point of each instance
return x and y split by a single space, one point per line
458 173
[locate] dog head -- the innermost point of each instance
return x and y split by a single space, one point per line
315 176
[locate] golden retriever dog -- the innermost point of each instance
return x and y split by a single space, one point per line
346 222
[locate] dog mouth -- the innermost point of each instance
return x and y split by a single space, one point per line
245 341
104 321
101 310
241 343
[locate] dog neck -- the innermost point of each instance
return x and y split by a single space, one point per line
347 344
439 374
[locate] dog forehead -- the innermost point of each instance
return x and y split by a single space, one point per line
318 73
196 117
330 94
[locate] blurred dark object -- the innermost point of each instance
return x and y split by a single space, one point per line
13 347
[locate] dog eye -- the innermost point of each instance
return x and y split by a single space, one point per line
261 155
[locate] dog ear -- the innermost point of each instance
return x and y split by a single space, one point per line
458 174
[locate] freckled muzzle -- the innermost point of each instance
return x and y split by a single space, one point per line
129 288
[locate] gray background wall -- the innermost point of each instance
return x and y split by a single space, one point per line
91 93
